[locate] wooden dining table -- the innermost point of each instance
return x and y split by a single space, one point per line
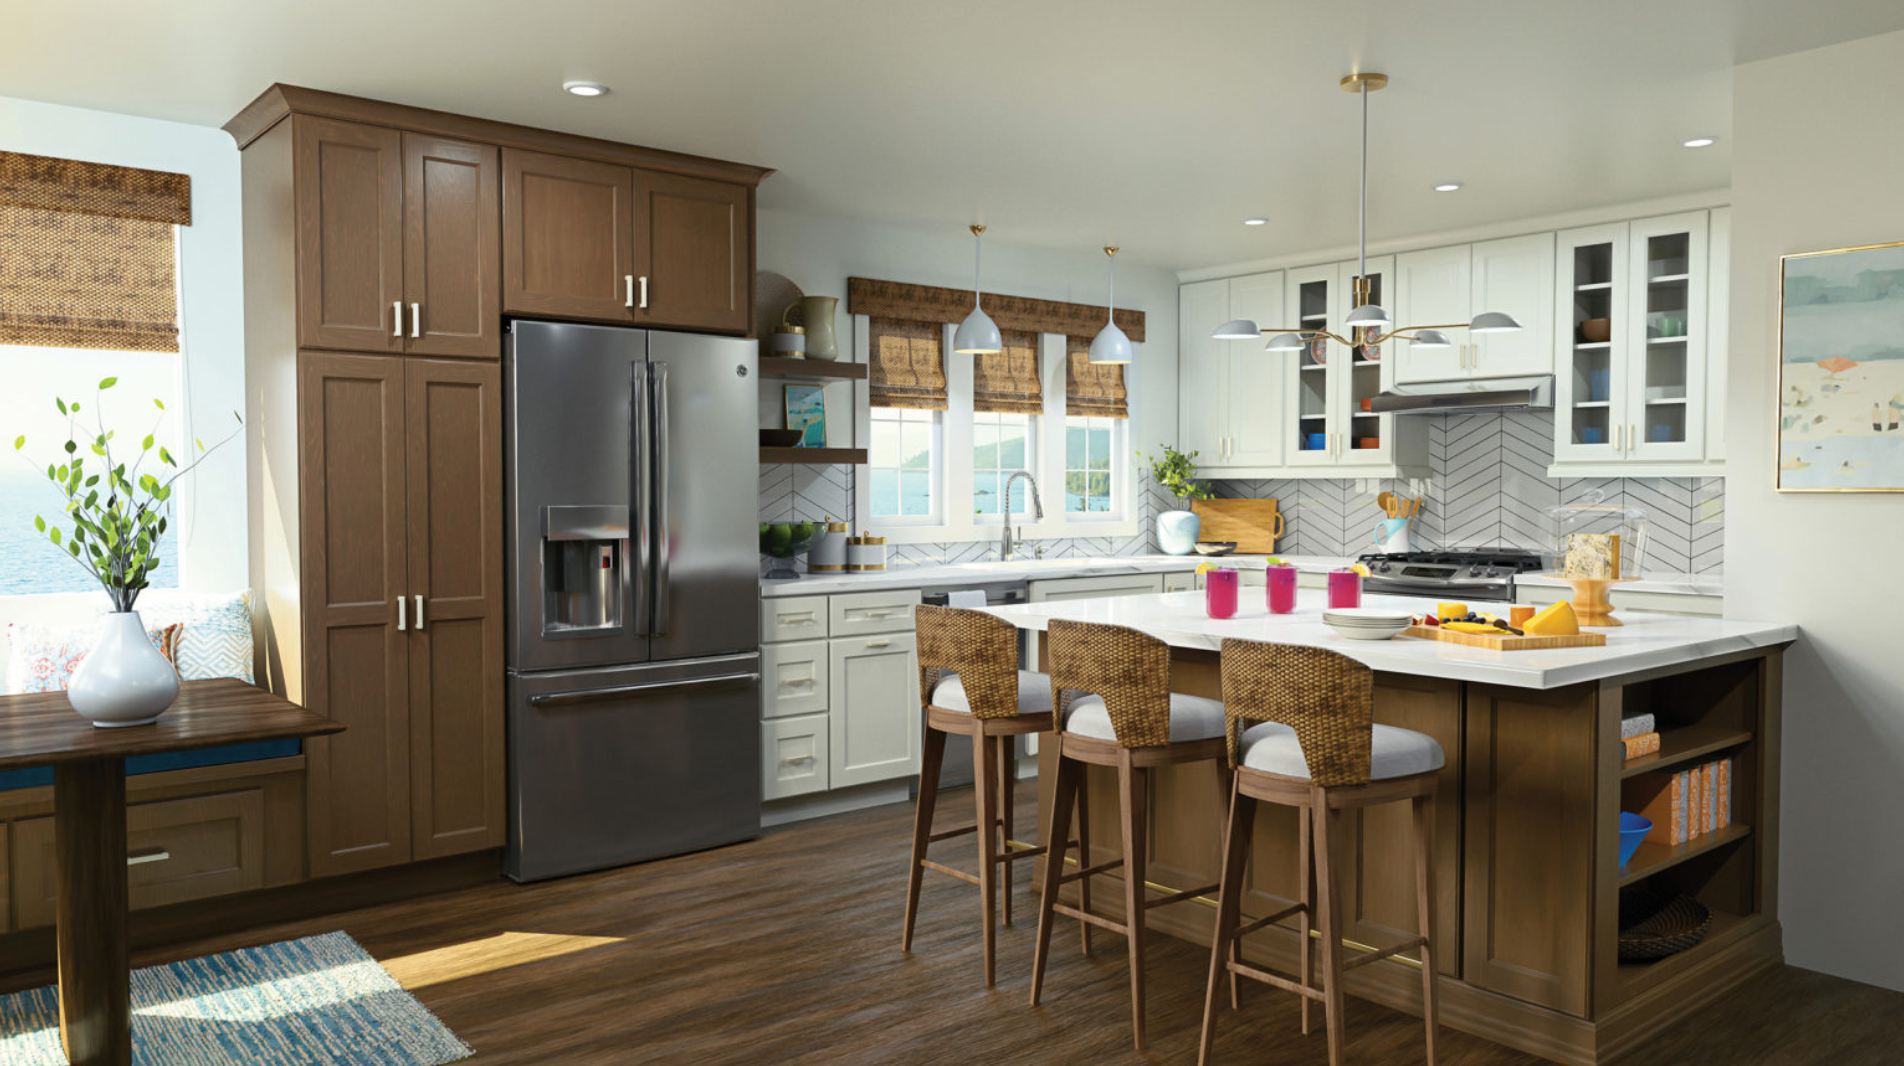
89 818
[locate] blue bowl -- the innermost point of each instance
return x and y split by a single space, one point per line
1633 829
1314 442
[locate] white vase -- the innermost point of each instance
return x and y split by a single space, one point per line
123 680
1177 531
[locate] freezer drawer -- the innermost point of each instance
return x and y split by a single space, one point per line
621 764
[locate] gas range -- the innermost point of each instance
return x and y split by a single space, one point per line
1470 573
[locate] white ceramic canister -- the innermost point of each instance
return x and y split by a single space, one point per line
865 553
827 554
789 341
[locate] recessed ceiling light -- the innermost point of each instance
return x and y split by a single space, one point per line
1698 142
585 88
1256 222
1448 186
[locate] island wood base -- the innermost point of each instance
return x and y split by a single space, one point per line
1526 862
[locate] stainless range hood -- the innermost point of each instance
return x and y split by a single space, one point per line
1492 394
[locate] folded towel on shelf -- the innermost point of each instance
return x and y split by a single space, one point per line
1635 726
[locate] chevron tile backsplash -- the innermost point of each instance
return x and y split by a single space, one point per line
1488 487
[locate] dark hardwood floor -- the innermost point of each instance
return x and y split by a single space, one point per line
786 950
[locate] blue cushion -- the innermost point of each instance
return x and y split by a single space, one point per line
37 776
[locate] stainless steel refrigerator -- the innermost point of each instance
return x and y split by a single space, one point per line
634 643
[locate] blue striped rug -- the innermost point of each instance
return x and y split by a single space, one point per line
317 1001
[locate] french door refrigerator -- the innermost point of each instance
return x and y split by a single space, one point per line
634 635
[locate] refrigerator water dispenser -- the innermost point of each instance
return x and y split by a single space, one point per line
584 564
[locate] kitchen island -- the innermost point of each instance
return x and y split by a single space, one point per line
1527 850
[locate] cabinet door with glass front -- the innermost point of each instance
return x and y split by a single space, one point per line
1666 335
1309 387
1363 438
1590 342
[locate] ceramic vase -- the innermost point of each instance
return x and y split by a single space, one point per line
816 314
123 680
1177 531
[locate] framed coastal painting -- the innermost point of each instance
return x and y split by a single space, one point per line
806 412
1841 370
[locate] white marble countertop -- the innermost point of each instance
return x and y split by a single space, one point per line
973 574
1646 641
1666 583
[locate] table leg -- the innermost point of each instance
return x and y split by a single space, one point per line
89 811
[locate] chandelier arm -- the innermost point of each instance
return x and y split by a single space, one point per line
1309 331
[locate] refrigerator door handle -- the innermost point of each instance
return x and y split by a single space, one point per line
547 699
638 448
661 475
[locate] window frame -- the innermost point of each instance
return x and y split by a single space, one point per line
1033 423
935 470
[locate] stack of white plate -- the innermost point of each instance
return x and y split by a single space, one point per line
1367 623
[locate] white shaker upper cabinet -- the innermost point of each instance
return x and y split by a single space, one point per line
1514 276
1256 376
1203 372
1433 288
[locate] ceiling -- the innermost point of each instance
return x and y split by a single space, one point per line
1066 122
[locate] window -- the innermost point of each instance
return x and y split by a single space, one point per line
1002 445
1089 443
903 463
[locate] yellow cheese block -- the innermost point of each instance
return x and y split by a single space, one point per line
1474 627
1451 610
1554 620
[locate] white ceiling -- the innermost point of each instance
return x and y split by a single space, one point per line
1158 125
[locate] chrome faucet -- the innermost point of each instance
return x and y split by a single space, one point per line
1037 513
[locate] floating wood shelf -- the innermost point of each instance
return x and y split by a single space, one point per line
779 366
856 456
1677 746
1651 858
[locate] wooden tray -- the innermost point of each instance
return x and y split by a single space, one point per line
1253 524
1506 641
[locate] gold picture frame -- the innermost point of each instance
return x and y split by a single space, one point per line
1820 434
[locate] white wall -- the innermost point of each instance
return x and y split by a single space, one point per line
1811 171
211 514
819 254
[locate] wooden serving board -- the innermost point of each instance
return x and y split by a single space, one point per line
1253 524
1506 641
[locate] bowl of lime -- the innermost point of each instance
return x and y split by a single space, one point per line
784 541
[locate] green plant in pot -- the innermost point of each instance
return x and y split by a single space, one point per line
1174 470
116 514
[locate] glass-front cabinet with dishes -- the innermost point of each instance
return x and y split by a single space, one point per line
1329 388
1631 382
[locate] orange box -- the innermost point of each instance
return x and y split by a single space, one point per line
1368 442
1517 616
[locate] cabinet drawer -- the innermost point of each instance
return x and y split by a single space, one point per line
871 612
793 756
210 846
792 678
792 618
1185 580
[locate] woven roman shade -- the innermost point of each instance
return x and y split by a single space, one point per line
1092 388
908 365
1006 381
86 254
929 303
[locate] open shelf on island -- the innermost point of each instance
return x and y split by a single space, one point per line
1631 978
1684 745
855 456
780 366
1652 858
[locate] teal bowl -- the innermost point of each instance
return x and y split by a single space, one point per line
1633 829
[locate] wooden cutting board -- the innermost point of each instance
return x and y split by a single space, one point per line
1506 641
1253 524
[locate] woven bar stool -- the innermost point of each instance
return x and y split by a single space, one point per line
1317 749
1129 719
971 686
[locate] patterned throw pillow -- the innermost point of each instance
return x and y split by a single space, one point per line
217 637
44 656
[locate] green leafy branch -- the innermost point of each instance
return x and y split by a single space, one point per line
118 513
1176 471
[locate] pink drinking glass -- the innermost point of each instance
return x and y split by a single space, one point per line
1219 593
1345 589
1281 581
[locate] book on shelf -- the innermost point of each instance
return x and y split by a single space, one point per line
1691 803
1643 744
1636 725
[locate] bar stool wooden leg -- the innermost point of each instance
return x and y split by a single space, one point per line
983 778
1083 806
1007 782
1237 835
1425 893
1226 798
1064 796
1329 891
1306 878
931 757
1132 787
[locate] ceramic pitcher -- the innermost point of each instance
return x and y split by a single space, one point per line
816 315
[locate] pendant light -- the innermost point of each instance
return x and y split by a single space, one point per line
1367 322
978 334
1111 346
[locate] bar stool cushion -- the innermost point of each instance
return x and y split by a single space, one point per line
1034 693
1272 747
1191 718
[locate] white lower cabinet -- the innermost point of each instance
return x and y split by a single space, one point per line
793 756
1180 581
1091 588
874 710
793 678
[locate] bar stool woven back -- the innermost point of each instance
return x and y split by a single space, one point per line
1325 696
1130 670
980 648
